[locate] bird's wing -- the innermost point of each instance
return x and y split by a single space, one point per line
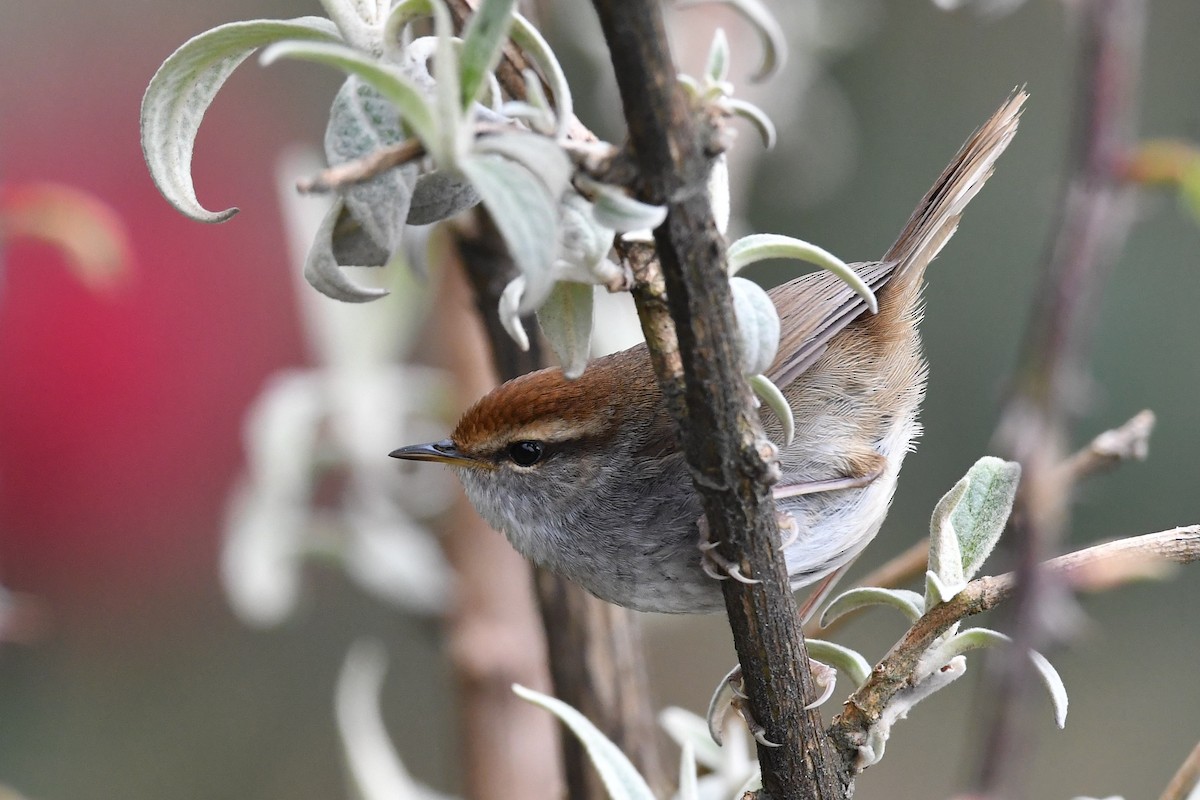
813 309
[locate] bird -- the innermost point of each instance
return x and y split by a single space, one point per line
586 478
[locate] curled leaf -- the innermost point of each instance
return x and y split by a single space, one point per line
183 88
760 246
509 311
1054 685
321 269
850 662
766 26
770 394
89 233
538 51
910 604
756 117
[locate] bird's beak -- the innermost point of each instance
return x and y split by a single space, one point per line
443 451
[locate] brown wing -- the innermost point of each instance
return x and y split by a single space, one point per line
813 309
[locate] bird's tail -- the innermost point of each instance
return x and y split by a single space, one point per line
937 215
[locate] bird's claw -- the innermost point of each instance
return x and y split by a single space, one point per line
788 528
825 677
714 564
757 731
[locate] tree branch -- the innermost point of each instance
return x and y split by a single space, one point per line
1092 569
719 429
1034 425
595 649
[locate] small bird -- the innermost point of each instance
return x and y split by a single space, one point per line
585 477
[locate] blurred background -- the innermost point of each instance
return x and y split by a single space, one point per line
122 411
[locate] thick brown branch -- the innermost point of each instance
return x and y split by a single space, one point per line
720 432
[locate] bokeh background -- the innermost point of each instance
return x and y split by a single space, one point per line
121 413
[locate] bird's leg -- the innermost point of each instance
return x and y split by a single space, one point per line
873 470
820 592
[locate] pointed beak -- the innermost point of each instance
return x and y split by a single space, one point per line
443 451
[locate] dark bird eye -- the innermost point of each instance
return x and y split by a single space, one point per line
525 454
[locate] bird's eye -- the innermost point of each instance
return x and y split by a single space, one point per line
525 454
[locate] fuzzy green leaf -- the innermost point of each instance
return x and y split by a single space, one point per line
910 604
525 213
183 88
483 40
758 325
617 210
756 117
716 69
539 154
387 80
566 319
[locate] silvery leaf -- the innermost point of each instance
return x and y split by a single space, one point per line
538 51
321 269
485 34
391 82
620 777
566 319
760 246
183 88
850 662
362 122
766 26
526 215
440 195
537 153
510 314
717 67
351 245
980 517
617 210
758 325
686 728
911 604
756 117
769 393
373 763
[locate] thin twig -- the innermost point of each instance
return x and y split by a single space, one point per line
1130 442
1092 569
1186 778
362 169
